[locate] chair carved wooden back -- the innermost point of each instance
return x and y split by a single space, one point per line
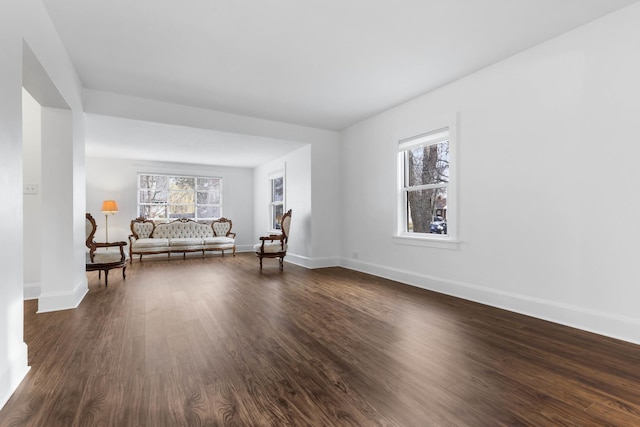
275 245
103 260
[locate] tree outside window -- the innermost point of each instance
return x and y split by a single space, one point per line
425 162
166 197
277 201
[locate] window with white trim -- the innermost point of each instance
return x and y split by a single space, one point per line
425 164
276 205
168 197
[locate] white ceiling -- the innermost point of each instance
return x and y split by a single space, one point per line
114 137
320 63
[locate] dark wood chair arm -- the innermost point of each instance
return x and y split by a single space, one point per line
232 234
272 237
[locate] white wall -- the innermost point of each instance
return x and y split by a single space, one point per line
24 22
117 179
297 173
130 107
13 351
326 188
63 283
32 203
548 149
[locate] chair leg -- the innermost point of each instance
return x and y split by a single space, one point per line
124 276
106 278
281 263
260 263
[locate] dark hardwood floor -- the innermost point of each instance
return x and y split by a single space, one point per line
215 342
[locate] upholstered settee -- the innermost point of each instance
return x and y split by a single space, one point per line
180 236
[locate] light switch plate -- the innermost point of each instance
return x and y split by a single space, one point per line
30 189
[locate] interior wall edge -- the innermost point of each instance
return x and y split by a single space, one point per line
14 374
54 301
32 290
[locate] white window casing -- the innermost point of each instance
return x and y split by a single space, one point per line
165 197
436 132
277 198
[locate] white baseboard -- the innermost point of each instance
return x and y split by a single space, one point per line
12 376
54 301
602 323
312 263
31 290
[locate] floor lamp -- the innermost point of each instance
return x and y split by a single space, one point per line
109 207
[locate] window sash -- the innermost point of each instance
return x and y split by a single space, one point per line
405 168
425 139
425 187
404 146
277 199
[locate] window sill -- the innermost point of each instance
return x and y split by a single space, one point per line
427 241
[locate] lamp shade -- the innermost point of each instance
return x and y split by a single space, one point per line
109 207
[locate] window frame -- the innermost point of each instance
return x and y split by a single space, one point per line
427 134
273 203
194 191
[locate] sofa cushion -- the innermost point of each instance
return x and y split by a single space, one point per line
270 247
185 241
150 243
218 240
106 257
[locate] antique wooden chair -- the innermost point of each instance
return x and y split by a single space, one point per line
103 260
275 245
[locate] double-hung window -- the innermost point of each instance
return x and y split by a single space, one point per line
425 163
167 197
276 207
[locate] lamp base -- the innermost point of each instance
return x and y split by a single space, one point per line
106 228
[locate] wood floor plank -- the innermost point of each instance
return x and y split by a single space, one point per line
217 342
